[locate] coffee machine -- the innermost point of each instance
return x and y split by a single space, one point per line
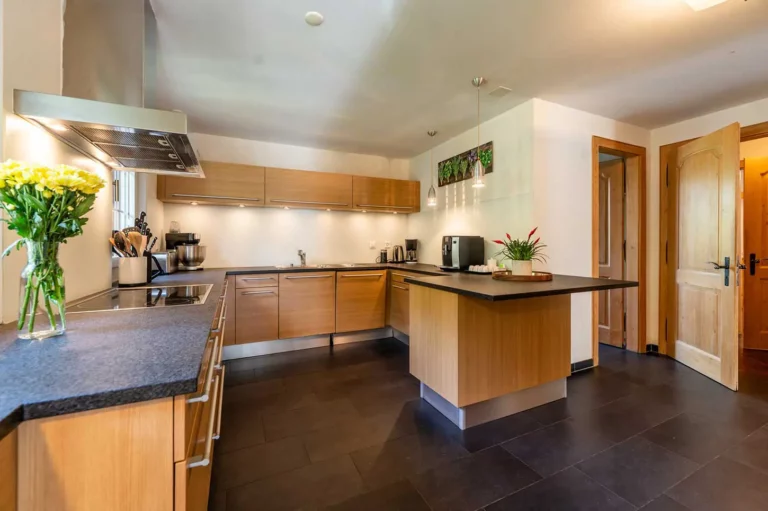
411 255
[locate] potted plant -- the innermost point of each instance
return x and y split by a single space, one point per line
521 253
45 206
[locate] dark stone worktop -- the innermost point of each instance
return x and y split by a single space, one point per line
119 357
486 288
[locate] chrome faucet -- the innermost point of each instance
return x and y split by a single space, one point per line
303 256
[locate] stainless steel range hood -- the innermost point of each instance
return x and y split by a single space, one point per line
121 137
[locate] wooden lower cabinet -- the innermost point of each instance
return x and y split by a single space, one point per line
307 304
361 300
148 456
8 471
257 314
398 306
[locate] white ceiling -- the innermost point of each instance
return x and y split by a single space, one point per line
378 74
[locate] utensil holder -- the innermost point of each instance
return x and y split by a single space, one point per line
132 271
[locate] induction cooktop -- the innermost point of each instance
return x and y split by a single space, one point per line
143 298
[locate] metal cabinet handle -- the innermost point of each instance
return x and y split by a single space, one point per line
217 434
400 287
222 317
205 459
249 279
383 206
257 293
223 197
364 275
309 277
285 201
202 398
401 275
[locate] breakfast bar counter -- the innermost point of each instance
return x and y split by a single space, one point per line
485 349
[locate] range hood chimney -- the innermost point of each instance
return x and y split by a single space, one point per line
101 113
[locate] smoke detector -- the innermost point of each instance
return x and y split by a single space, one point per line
314 18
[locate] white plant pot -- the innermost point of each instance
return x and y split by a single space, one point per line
521 267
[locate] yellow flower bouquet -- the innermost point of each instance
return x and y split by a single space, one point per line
45 206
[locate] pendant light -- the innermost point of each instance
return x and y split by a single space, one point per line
432 195
478 171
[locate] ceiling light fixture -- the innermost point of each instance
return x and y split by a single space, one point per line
478 170
432 195
242 205
314 18
700 5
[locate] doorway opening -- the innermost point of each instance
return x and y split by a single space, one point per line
713 287
612 312
618 243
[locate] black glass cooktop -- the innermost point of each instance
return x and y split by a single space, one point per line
143 298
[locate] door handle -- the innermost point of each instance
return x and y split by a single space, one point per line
753 262
725 266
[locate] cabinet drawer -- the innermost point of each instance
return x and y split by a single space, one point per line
400 276
257 314
192 476
189 410
361 300
307 303
245 281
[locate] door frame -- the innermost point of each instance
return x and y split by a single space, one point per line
667 231
635 207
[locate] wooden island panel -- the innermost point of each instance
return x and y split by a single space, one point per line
470 350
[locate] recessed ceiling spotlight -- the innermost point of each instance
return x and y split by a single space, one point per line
314 18
193 203
700 5
242 205
286 207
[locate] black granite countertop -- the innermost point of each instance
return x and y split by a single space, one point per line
486 288
119 357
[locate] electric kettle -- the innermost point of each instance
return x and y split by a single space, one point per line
398 254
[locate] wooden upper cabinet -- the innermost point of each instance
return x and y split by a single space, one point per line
308 190
224 183
390 195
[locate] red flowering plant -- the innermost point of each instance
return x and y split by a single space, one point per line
522 250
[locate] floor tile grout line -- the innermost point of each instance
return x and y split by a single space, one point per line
608 489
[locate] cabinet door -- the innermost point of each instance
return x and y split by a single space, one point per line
308 190
398 306
256 314
224 183
8 471
361 300
307 304
387 195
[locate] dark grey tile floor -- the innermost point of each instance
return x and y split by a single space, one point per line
344 429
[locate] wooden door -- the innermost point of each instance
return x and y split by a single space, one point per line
361 300
257 318
307 304
706 333
611 251
228 184
308 190
756 247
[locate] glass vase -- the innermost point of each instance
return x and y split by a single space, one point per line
42 297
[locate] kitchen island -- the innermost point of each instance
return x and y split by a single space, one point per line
485 349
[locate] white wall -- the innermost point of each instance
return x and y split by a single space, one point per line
267 236
505 205
562 177
33 62
747 114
